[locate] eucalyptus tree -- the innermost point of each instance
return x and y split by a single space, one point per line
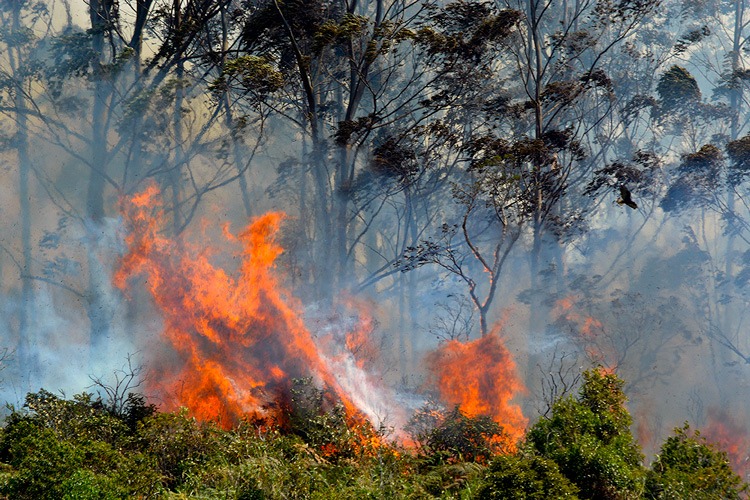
18 75
534 140
707 188
567 96
92 91
351 79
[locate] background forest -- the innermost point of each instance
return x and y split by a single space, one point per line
570 176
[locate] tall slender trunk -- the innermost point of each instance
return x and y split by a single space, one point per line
727 318
98 307
536 318
175 171
230 123
26 357
324 260
134 168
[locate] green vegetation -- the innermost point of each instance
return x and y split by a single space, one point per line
55 448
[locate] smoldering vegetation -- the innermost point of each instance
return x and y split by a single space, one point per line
454 168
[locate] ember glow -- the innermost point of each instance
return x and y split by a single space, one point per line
588 330
730 435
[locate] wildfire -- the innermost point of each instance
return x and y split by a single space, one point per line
238 340
588 326
590 331
480 377
731 436
235 339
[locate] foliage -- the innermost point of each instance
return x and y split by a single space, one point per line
698 180
455 436
466 30
689 467
61 448
324 424
589 438
678 89
57 448
739 154
176 442
252 75
527 477
640 171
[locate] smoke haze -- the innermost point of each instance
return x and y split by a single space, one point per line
435 199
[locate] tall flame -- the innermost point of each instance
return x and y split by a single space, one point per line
238 340
480 378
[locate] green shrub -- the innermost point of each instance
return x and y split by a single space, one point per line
176 443
688 467
41 462
528 478
86 485
56 448
590 440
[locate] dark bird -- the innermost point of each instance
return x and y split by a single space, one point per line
626 198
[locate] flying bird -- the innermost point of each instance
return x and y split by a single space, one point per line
626 198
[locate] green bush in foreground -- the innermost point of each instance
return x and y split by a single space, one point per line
80 449
688 467
525 477
589 438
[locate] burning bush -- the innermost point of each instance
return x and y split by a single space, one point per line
479 378
236 336
323 423
57 448
462 438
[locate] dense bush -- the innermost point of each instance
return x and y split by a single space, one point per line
55 448
528 477
688 467
590 440
58 448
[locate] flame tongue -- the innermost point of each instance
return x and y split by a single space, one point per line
238 341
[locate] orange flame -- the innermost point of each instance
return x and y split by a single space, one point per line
589 330
731 436
480 377
588 327
359 341
240 339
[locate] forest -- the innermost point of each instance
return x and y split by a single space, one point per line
392 248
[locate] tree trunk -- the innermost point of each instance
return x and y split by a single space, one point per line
26 357
98 307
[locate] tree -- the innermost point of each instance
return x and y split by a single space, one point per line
17 80
590 440
688 466
87 95
526 164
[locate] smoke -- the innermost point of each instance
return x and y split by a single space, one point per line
60 353
659 297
